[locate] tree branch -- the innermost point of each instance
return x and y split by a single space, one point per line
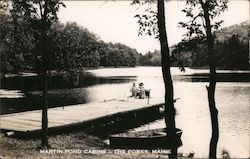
202 3
40 8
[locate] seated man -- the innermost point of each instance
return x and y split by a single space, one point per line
141 91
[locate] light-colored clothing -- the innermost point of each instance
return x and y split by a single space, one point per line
142 92
133 91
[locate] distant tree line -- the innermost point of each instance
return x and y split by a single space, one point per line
150 58
72 46
231 49
119 55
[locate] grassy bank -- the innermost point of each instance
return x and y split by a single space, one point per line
29 148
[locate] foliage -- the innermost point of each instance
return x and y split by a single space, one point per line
25 24
148 20
241 29
231 47
196 23
120 55
16 42
73 47
5 42
207 11
196 26
151 59
4 4
232 53
70 47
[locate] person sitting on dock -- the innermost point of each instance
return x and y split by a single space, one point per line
133 91
141 91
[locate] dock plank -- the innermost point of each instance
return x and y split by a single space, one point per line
67 115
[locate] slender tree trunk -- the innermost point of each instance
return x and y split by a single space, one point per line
165 60
45 143
44 51
212 85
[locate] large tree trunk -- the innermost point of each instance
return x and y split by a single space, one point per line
45 143
165 60
212 85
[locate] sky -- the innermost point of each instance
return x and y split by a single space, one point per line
113 21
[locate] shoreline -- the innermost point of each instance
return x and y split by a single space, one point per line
31 73
70 145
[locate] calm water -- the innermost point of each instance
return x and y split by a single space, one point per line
232 100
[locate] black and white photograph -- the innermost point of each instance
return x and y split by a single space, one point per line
125 79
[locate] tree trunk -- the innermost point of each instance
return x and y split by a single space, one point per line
44 50
212 85
45 143
165 60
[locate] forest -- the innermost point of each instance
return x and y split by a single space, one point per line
231 46
73 46
70 46
231 49
33 40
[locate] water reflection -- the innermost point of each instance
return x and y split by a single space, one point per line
60 93
101 84
232 99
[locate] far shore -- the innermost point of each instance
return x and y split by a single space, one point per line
31 73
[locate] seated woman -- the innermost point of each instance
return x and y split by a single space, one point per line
133 91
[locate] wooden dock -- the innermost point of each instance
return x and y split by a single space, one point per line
30 121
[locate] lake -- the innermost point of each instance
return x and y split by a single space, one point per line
232 101
193 117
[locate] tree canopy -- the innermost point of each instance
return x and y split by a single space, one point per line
231 47
75 47
70 47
